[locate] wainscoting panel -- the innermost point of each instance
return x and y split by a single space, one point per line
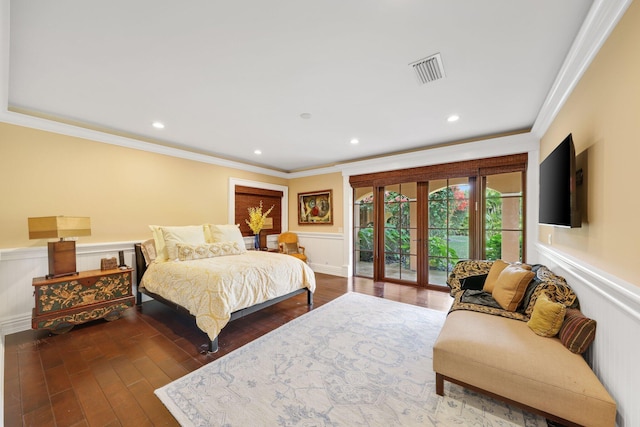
615 305
325 252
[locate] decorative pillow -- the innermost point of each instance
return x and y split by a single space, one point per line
148 251
577 331
510 286
191 234
290 248
161 251
475 283
188 252
492 277
227 233
547 316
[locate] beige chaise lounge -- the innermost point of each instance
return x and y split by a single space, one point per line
488 349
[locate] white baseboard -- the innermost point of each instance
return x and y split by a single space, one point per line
333 270
15 324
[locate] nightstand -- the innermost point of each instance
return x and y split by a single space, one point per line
64 302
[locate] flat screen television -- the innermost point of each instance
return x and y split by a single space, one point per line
558 194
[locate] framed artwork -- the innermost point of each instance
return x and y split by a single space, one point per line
315 207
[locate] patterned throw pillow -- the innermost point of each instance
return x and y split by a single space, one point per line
188 234
148 251
547 316
188 252
291 248
577 331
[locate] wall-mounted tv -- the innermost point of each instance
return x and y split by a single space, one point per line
558 195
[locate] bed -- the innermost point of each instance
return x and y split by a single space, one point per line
210 275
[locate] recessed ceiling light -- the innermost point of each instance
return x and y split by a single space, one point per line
305 115
258 152
158 125
354 141
453 118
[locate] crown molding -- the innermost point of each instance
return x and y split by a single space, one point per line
602 18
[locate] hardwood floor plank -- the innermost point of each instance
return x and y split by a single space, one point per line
33 387
121 399
73 360
155 410
12 402
66 408
125 369
57 379
49 354
96 407
42 417
104 373
152 373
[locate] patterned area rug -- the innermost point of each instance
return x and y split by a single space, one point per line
356 361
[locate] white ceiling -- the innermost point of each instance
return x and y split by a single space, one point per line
230 77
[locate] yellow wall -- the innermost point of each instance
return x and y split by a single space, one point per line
121 189
332 182
603 114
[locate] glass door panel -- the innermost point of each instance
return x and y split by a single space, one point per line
363 231
400 232
503 217
448 225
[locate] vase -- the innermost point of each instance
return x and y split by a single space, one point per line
256 242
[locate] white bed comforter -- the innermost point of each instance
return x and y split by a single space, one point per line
213 288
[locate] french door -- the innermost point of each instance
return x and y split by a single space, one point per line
415 232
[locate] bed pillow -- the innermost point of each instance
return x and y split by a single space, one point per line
148 248
188 252
190 234
158 239
577 331
226 233
509 289
547 316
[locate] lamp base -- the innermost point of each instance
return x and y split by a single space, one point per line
62 258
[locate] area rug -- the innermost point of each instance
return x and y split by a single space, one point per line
355 361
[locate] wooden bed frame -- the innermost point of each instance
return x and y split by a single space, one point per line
141 267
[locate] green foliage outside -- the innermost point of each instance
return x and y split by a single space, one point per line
397 239
493 225
448 217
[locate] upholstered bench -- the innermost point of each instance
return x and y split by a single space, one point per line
504 358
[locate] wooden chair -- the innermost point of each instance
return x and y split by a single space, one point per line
288 244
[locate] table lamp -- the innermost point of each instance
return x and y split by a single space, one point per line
62 254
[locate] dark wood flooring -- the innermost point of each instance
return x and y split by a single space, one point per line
104 373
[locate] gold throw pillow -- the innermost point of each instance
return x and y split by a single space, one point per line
509 289
547 316
494 273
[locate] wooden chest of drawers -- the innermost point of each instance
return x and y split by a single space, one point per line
64 302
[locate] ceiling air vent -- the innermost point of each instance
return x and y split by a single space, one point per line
429 69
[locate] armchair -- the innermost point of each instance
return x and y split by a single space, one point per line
288 244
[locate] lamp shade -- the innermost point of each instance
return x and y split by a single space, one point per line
49 227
